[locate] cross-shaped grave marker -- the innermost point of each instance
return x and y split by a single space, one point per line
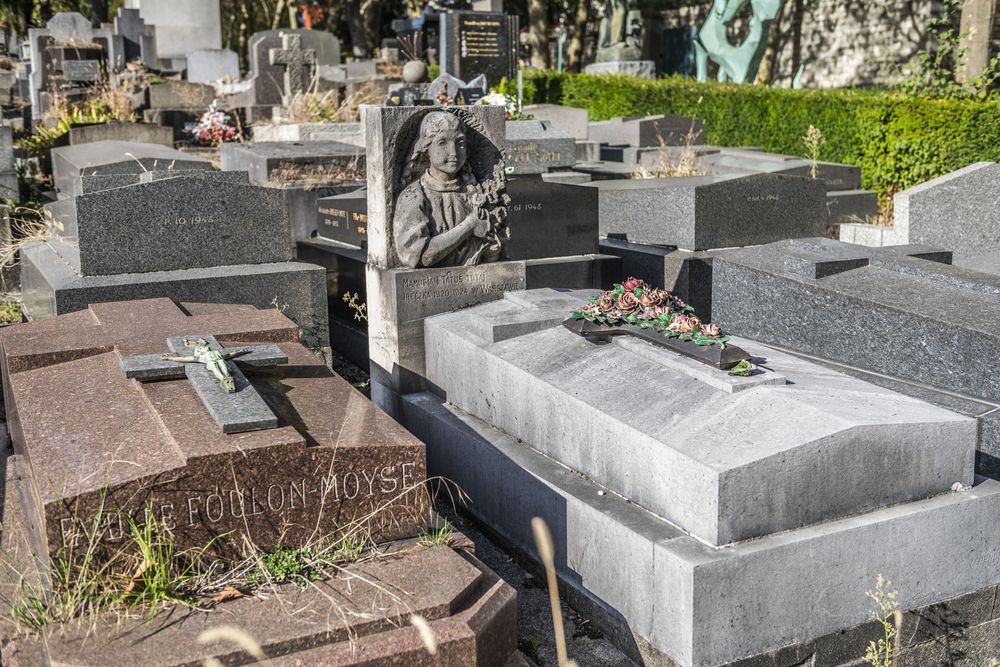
227 394
294 58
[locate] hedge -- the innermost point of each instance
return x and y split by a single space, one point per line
897 140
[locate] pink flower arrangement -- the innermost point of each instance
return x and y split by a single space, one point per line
634 303
215 127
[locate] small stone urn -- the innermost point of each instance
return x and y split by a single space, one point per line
415 71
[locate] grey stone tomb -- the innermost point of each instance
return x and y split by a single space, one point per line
674 529
205 238
210 65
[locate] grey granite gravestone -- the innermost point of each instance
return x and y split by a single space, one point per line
312 163
521 432
115 130
70 163
9 189
268 79
400 297
959 211
648 131
206 238
900 314
706 212
345 133
71 56
138 39
834 176
344 218
210 65
536 147
182 26
180 95
568 119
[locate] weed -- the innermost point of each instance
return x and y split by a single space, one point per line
668 165
813 141
437 535
884 652
10 312
285 564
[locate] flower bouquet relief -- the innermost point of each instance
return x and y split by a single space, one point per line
654 314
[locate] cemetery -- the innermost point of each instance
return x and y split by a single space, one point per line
500 333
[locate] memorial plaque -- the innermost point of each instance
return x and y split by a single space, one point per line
344 218
474 43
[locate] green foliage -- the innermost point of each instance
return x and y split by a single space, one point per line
10 312
433 72
898 140
285 564
92 111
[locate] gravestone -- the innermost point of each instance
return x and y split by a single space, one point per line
706 212
299 65
743 161
268 80
70 164
182 26
536 147
568 119
959 211
344 218
411 274
345 133
9 189
118 449
903 315
310 164
202 237
138 39
177 104
116 130
689 460
640 131
70 58
210 65
474 43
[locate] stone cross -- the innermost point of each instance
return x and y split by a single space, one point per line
236 412
294 58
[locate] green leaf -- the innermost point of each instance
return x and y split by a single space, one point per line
577 314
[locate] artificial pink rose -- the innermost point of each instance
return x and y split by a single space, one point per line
650 299
683 324
627 303
711 330
632 283
606 302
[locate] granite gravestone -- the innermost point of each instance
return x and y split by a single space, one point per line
9 189
116 130
959 211
568 119
72 164
268 79
192 238
151 451
311 164
688 462
535 147
178 104
299 65
182 26
138 39
474 43
424 259
639 131
834 176
210 65
902 315
344 218
71 59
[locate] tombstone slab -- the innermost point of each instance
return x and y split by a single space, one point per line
143 133
210 65
268 79
648 130
535 147
312 163
958 211
474 43
71 163
568 119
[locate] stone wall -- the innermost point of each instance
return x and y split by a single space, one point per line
839 42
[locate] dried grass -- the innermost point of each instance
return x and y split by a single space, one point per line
668 164
310 107
28 225
312 176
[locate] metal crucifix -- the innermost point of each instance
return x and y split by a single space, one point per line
215 373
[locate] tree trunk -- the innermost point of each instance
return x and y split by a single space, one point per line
576 44
372 16
976 31
765 73
356 28
538 33
98 12
279 8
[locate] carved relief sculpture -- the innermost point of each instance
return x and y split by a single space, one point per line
446 216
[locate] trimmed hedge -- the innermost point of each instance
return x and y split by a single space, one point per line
898 141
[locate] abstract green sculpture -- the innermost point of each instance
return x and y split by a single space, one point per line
738 64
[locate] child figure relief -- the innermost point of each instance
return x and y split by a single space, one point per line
446 217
